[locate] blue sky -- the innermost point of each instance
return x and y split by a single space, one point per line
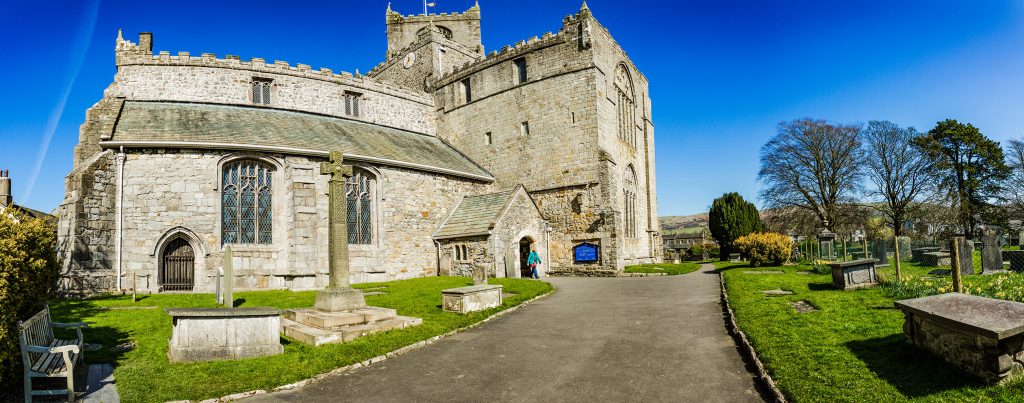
722 73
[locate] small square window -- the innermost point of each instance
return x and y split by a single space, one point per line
488 139
520 70
352 103
524 128
261 90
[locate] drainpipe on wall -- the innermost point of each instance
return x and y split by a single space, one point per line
438 259
120 195
547 247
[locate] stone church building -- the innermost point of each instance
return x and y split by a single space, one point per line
462 158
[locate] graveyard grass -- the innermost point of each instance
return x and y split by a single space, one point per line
143 374
852 348
667 268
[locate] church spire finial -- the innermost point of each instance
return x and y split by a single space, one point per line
389 6
119 37
584 6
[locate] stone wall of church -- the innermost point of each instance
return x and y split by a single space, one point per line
571 161
186 78
176 194
645 247
87 225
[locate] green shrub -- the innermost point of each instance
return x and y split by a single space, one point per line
765 248
28 275
731 217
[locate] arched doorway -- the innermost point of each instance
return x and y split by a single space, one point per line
524 252
177 266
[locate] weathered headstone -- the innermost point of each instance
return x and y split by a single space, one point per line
510 265
479 275
339 294
227 287
966 257
1016 258
880 252
991 255
905 250
826 244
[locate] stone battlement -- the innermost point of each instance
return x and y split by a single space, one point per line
129 53
567 32
396 17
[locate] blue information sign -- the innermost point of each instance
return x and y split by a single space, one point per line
586 252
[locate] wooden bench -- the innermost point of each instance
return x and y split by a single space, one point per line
47 357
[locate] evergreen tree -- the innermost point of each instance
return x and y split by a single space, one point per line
732 217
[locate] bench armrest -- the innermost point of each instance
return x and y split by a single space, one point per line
53 350
71 325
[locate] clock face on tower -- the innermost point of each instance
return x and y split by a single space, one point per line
409 60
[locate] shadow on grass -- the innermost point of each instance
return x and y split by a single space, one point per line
112 339
821 287
912 371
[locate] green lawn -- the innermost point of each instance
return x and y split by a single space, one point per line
667 268
144 375
852 348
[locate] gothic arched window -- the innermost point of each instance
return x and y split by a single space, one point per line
627 106
359 191
629 202
246 203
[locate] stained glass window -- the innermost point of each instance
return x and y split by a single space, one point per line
359 194
246 203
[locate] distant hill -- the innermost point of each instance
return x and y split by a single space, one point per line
682 224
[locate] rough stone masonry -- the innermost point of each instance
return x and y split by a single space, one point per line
549 142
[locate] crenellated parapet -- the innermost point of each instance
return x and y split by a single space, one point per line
128 53
575 28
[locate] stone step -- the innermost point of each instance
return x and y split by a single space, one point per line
331 320
315 336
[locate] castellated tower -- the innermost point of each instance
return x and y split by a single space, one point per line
463 29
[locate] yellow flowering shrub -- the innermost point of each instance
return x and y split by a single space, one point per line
28 274
765 248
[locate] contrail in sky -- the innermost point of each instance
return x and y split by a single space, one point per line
84 37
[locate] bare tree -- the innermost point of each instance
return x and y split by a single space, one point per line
812 165
897 169
1015 182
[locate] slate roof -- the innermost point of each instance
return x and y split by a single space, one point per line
475 215
190 125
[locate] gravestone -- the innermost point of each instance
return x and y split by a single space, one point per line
479 275
880 252
966 257
905 252
510 265
826 244
205 334
991 255
1016 258
936 259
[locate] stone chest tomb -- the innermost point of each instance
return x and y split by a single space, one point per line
982 336
204 334
854 274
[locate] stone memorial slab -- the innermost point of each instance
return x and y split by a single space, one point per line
472 298
854 274
880 252
776 293
764 272
966 257
205 334
1016 259
982 336
917 254
803 306
991 255
935 259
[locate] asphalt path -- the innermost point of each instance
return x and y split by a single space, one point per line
595 339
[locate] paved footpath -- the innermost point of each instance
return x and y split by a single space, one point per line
594 340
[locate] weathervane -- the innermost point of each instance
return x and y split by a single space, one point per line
425 5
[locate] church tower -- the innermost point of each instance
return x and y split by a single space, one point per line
462 28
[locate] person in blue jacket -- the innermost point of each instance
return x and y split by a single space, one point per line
533 260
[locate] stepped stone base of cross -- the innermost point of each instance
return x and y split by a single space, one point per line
340 313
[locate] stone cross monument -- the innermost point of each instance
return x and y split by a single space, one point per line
339 295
